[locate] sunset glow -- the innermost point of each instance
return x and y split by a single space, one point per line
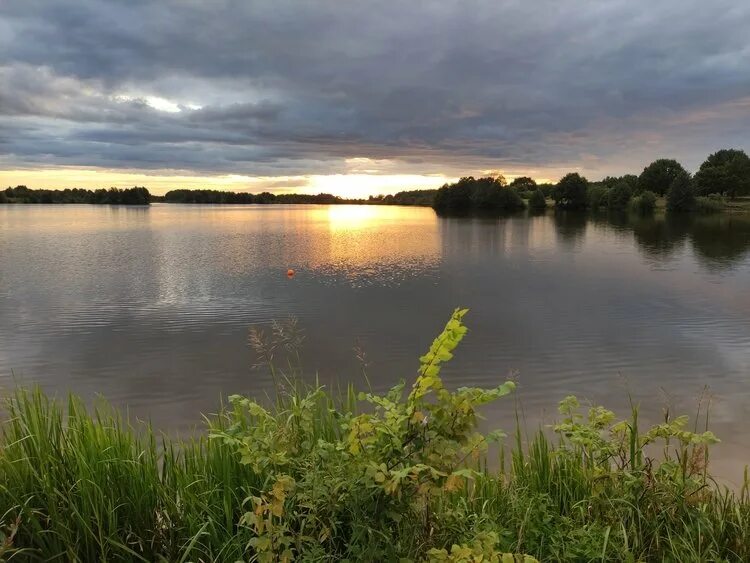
344 185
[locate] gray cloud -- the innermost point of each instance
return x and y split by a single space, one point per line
291 88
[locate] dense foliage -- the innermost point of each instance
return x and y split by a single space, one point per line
216 196
681 195
482 195
644 203
410 197
112 196
537 200
619 196
523 184
405 478
658 176
724 172
572 192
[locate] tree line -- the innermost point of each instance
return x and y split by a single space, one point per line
217 196
113 196
724 174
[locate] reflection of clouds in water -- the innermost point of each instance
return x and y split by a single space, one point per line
152 308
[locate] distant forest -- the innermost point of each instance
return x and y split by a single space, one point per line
724 174
112 196
141 196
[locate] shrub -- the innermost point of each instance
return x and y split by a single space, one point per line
708 205
317 478
644 203
681 195
597 196
619 196
537 200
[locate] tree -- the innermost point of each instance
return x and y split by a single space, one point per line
619 196
477 195
454 197
657 177
571 192
644 203
597 196
523 184
726 172
681 194
537 200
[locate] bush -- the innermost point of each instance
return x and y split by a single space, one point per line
644 203
537 200
403 476
597 196
681 195
709 204
619 196
571 192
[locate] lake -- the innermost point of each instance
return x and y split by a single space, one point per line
150 307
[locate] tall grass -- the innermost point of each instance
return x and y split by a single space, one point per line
318 476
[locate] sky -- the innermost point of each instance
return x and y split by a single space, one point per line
363 97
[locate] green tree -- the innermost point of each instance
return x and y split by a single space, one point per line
619 196
727 172
681 194
477 195
571 192
644 203
657 177
537 200
523 184
597 196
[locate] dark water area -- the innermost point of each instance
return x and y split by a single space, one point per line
150 307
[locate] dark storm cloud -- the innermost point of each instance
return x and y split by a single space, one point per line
297 88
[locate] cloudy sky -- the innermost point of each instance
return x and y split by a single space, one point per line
358 97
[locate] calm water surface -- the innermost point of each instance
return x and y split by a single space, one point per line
150 307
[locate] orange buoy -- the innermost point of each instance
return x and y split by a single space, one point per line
290 273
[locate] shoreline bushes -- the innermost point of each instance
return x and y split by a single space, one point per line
112 196
397 476
644 203
478 196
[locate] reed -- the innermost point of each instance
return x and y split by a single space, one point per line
315 475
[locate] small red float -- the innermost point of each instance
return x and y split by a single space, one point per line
290 273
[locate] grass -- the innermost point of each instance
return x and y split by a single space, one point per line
362 477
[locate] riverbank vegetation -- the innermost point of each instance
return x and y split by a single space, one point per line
721 184
405 475
112 196
722 181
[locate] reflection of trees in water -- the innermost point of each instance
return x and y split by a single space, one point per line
660 236
570 226
484 236
720 241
